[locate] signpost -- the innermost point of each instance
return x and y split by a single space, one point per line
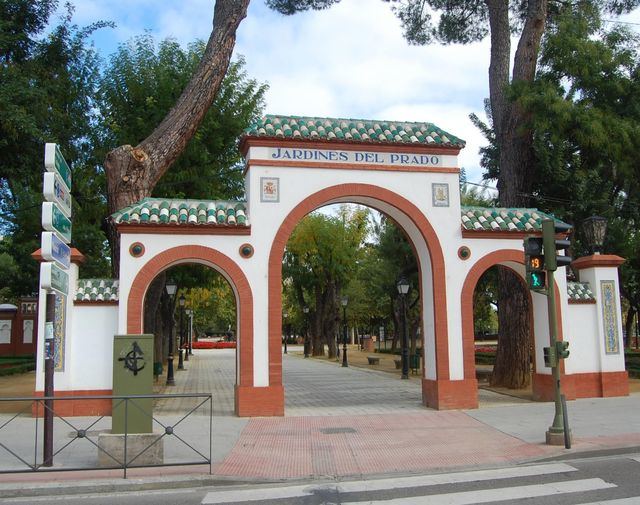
53 277
56 220
53 219
54 162
56 191
54 249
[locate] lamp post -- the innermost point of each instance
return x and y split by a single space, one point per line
190 339
181 302
284 317
171 288
595 229
403 289
187 335
344 302
306 331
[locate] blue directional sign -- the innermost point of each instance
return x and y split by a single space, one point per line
54 249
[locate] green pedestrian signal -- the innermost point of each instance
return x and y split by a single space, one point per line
537 280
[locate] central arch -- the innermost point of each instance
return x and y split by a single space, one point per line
379 198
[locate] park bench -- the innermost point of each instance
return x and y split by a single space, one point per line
373 360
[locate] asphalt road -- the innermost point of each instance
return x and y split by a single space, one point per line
610 480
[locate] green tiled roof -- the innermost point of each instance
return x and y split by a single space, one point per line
579 291
191 212
352 130
502 219
97 290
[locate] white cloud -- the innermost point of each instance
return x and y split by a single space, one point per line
347 61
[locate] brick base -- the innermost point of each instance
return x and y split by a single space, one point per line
605 384
542 387
74 408
259 401
448 394
582 385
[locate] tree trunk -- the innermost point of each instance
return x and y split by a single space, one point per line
513 357
516 171
150 325
628 326
133 172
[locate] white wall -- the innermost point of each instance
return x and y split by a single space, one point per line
92 347
584 339
608 362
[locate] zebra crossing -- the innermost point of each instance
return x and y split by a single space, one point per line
489 486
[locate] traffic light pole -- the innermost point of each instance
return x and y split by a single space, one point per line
555 434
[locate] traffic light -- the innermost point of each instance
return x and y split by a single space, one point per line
550 357
549 230
562 350
534 263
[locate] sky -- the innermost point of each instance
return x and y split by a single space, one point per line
349 61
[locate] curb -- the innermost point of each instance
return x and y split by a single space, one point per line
131 484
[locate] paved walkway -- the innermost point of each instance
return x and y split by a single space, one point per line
314 387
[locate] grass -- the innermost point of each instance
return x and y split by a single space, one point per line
632 362
12 365
487 356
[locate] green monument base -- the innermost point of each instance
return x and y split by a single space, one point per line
132 375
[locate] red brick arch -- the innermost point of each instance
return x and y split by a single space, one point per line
216 260
360 191
480 267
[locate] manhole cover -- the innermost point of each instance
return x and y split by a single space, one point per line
334 431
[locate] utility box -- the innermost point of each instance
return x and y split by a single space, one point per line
132 375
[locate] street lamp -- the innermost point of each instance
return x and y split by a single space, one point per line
171 288
284 317
403 289
181 302
186 336
595 229
306 331
190 339
344 302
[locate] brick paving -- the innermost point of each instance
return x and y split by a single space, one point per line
364 420
341 446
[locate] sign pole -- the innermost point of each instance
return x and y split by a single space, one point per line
56 220
49 365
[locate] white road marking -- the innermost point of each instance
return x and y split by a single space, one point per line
496 495
633 500
242 495
454 478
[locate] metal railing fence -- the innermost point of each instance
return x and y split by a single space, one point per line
181 435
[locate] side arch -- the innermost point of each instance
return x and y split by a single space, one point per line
471 280
218 261
367 193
